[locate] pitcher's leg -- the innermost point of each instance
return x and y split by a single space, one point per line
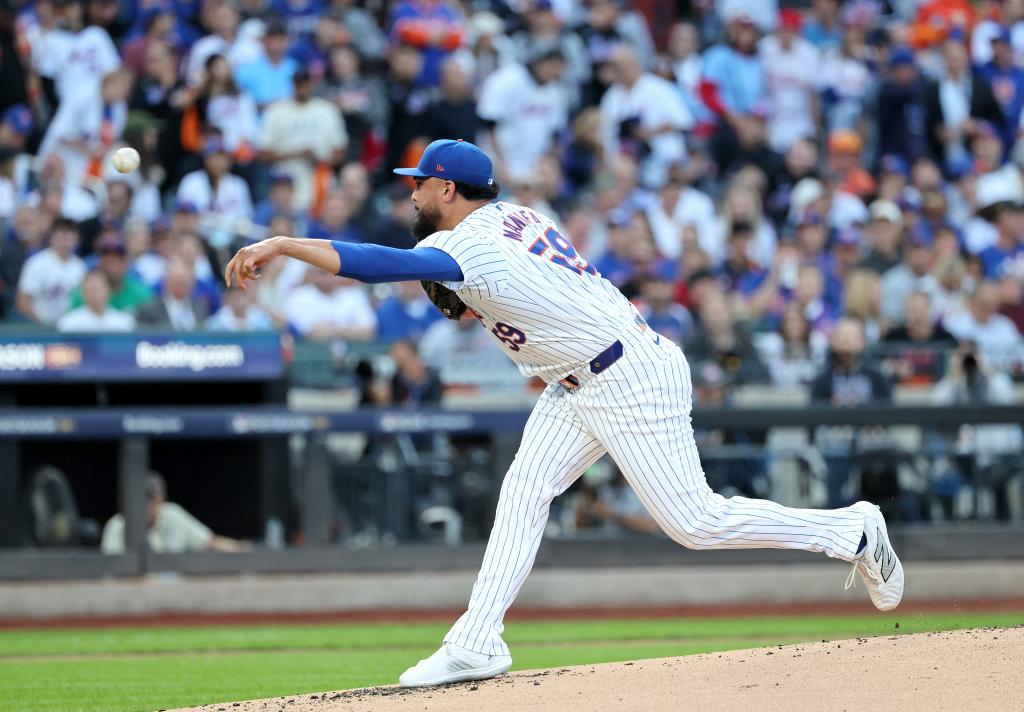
642 416
670 482
556 449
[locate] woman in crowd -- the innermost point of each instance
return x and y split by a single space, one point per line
793 353
862 300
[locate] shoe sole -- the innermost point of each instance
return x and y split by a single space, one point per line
461 676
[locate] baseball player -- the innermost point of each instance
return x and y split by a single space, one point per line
614 386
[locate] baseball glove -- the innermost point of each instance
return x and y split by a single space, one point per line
445 299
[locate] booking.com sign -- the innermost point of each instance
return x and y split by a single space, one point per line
127 357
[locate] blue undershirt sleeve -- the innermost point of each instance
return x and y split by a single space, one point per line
376 263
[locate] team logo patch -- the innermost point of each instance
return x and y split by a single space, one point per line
884 557
439 168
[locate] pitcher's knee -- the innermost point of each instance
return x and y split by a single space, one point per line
689 527
686 531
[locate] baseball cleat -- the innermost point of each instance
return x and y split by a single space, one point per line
454 664
877 563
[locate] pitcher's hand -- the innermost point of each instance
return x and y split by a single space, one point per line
247 261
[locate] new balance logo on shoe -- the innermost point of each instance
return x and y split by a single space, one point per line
884 556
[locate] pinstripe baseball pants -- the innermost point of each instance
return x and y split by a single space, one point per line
638 411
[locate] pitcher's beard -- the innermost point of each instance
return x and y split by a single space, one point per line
425 223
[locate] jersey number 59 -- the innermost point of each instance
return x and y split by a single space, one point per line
510 335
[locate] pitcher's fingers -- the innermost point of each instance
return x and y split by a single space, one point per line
244 271
241 268
229 271
238 270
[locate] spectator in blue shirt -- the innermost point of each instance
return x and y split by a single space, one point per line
733 79
732 86
300 15
738 274
406 315
313 51
1007 82
279 201
615 264
1006 256
269 78
661 312
186 10
822 27
843 258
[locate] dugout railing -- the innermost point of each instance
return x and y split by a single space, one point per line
137 429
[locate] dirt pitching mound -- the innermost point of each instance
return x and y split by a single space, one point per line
959 670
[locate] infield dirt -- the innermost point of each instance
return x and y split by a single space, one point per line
966 671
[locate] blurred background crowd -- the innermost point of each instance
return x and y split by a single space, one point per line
826 196
818 198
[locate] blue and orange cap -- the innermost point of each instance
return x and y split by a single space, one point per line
458 161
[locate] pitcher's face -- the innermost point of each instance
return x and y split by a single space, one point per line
427 199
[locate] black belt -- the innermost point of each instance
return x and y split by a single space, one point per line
599 363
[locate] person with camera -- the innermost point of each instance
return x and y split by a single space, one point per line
915 351
988 455
981 323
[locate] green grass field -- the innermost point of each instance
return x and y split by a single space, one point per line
155 668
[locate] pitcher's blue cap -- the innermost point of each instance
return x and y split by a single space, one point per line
458 161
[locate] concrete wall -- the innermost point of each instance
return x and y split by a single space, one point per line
547 588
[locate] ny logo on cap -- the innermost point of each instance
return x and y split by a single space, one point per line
439 168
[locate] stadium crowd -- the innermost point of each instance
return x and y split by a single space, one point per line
781 190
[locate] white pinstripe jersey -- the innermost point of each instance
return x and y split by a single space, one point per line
548 307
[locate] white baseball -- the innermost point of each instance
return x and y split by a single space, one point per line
126 159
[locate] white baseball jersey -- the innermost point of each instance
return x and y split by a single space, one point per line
76 61
230 200
655 102
527 114
49 281
792 77
237 118
541 299
81 118
553 313
293 126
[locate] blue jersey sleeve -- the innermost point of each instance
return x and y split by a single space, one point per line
375 263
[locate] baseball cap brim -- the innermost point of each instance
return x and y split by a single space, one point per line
452 160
